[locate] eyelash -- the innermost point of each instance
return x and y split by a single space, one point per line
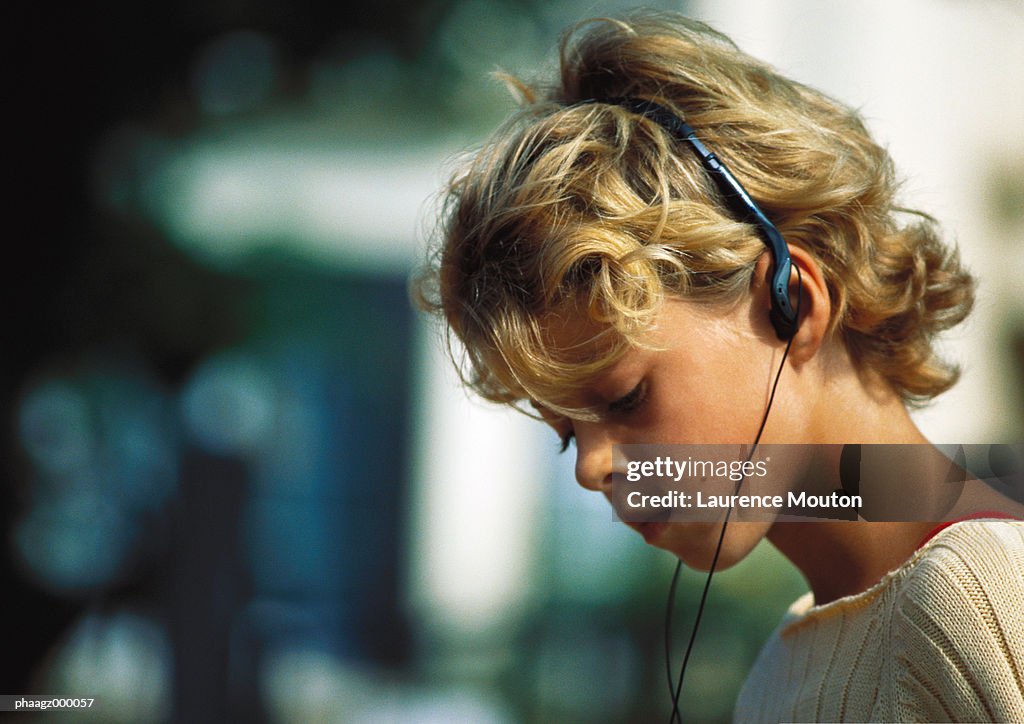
633 399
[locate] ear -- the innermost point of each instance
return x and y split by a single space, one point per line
808 293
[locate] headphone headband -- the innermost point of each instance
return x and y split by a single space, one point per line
782 315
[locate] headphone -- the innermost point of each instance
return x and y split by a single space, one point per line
782 315
784 318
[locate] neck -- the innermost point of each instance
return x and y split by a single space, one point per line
842 559
845 558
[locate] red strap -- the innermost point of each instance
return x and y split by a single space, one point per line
973 516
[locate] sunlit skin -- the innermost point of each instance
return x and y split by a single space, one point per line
710 384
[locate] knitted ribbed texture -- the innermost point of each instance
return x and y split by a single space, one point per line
941 638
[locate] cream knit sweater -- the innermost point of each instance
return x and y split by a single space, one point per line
941 638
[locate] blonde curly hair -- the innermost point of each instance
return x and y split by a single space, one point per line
576 206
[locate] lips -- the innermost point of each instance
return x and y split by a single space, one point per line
650 523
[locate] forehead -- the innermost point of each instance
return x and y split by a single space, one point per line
587 361
678 326
570 332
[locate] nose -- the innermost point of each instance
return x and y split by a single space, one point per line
593 457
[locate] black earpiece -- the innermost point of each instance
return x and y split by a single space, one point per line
783 317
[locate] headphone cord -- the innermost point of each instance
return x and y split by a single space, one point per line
674 688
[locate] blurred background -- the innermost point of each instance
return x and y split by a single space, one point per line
240 481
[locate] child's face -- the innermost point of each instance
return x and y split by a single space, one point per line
708 384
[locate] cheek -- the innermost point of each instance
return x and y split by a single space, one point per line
694 543
712 411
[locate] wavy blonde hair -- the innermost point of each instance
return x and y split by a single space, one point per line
582 207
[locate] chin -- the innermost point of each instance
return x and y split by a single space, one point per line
695 543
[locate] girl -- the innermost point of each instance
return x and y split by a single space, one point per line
601 263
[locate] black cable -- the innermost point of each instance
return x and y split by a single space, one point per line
675 689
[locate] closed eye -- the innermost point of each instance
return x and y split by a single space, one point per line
566 439
630 401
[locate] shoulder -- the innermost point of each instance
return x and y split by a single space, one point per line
968 559
958 625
